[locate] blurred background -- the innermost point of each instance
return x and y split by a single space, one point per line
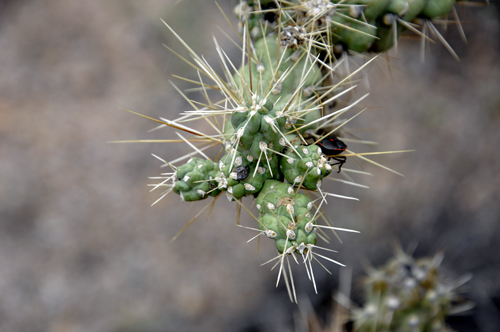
82 250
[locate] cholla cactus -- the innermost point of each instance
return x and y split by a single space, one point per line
278 107
407 295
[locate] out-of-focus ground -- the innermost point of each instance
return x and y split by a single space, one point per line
82 250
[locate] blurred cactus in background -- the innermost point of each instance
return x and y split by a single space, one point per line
403 295
407 295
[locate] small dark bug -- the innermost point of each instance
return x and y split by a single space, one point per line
241 172
331 146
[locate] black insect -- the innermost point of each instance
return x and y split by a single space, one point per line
408 269
331 146
269 15
241 172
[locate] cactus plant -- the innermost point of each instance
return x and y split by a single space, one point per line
280 104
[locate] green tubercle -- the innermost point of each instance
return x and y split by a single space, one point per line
285 216
195 180
307 166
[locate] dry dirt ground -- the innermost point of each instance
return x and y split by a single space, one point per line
82 250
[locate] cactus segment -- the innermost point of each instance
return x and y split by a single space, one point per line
195 180
309 169
285 217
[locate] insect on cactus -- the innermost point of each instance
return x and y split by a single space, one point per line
280 123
